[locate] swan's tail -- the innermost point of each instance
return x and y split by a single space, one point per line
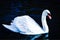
12 28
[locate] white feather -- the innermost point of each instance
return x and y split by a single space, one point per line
27 25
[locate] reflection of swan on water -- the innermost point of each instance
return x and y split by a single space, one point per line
28 26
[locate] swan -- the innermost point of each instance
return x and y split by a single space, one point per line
28 26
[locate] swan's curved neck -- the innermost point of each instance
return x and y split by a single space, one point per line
44 23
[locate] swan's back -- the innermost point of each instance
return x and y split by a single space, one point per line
27 25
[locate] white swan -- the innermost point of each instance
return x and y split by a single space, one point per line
26 25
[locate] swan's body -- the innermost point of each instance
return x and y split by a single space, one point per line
26 25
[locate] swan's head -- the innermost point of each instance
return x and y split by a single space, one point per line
47 13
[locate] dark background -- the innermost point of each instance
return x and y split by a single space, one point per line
10 9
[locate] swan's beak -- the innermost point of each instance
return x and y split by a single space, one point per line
49 15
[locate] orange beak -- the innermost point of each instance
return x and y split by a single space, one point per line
49 15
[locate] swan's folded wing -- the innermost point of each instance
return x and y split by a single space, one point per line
12 28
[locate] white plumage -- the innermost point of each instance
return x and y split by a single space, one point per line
27 25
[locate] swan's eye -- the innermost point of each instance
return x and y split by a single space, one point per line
49 14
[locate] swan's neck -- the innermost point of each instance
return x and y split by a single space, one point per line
44 23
